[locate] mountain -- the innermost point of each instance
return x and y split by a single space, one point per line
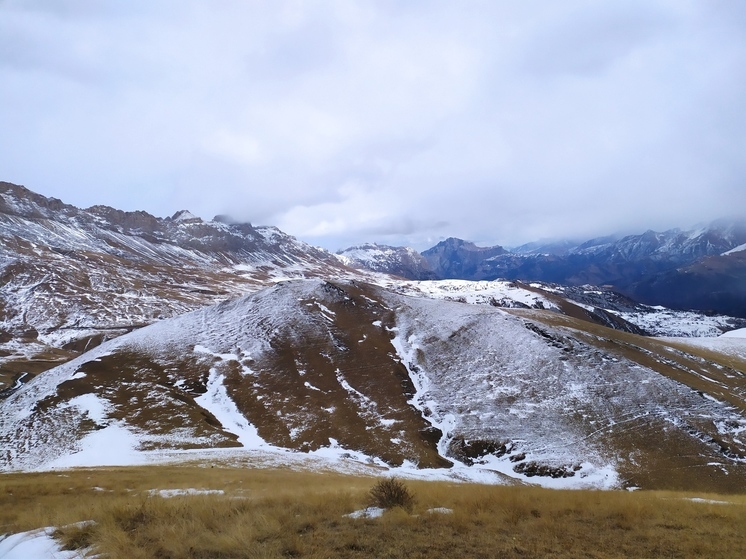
126 338
459 259
399 261
597 305
715 282
696 269
70 278
358 372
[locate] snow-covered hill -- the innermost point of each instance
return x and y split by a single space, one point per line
70 277
349 369
594 304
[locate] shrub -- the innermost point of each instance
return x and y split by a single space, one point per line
391 492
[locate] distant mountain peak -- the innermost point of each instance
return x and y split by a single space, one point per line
185 216
457 258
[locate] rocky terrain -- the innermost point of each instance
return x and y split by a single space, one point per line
127 338
398 261
402 382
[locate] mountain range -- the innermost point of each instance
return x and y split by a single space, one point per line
702 268
127 338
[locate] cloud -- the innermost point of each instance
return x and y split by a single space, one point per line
405 123
591 38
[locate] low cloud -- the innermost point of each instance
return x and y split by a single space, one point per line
345 123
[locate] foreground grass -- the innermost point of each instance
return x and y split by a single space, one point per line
279 513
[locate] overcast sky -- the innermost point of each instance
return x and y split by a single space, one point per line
401 122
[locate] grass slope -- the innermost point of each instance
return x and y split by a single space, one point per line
279 513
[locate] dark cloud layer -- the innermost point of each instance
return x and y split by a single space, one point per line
394 122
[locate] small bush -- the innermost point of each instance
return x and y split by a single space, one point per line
390 493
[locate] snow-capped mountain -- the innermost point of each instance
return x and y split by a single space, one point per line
72 277
703 268
399 261
489 381
362 373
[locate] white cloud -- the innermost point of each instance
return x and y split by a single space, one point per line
393 122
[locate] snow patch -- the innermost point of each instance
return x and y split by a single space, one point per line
91 405
660 321
168 493
112 446
739 248
496 293
370 512
439 510
217 401
34 544
708 501
740 333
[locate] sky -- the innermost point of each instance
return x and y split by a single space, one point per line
397 122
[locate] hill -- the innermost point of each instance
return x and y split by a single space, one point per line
356 372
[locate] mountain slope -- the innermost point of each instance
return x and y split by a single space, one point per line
70 278
588 303
315 366
658 268
716 283
404 262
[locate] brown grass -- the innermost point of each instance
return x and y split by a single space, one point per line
279 513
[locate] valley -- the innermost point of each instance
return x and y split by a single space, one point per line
162 343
